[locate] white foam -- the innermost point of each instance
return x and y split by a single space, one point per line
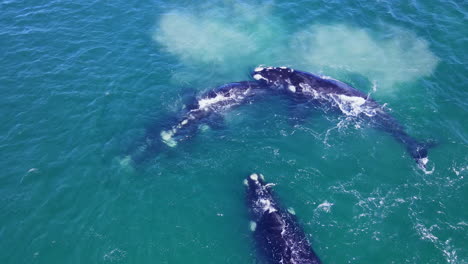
246 183
258 69
32 170
424 161
266 206
306 89
221 101
374 86
292 88
184 122
459 171
352 105
115 255
326 77
422 165
206 103
291 211
325 206
426 233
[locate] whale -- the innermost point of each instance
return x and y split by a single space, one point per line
278 236
200 112
326 92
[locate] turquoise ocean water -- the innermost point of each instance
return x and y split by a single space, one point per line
80 82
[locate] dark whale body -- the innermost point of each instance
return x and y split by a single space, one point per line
303 86
206 109
279 237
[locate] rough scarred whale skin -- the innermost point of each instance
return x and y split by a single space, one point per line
322 90
203 110
279 238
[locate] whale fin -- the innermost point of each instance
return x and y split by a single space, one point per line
417 149
419 152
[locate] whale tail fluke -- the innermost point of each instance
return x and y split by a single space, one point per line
419 152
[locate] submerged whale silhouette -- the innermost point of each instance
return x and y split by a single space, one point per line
278 236
303 86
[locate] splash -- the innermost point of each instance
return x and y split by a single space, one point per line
353 105
325 206
402 57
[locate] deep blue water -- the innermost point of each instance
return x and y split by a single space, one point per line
81 82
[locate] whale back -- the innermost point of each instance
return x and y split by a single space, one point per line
279 238
300 83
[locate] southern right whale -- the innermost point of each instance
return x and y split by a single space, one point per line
278 235
303 86
205 109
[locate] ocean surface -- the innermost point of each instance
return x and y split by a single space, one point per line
81 82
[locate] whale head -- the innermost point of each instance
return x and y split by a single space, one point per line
259 195
275 77
254 181
256 186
